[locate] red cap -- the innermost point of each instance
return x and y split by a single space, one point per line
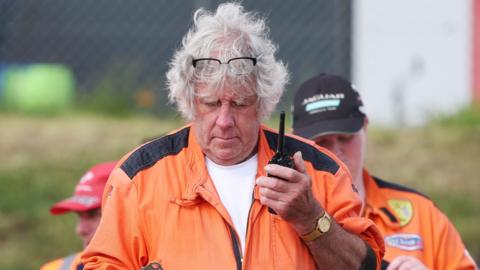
88 192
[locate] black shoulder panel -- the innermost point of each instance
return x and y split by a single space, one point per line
319 160
384 184
151 152
389 214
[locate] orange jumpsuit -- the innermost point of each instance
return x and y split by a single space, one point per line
412 225
71 262
161 211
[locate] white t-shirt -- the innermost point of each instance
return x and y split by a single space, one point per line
235 185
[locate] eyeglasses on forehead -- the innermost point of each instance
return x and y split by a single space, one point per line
238 65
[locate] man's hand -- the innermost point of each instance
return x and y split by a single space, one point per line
289 193
406 263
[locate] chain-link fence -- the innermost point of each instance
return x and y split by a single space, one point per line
122 48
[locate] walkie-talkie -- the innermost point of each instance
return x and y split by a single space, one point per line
280 158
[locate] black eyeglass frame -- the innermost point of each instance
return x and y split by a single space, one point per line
195 60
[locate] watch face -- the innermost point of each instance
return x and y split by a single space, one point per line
324 224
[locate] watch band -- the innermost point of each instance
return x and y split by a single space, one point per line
322 226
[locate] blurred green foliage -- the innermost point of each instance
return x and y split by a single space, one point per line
119 90
37 88
468 118
116 92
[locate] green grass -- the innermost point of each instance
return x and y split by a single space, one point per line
467 118
42 158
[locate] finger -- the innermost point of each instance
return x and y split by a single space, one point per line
299 163
406 263
277 206
284 173
409 265
273 183
396 263
412 263
271 194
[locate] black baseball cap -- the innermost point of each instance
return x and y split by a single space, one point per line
327 104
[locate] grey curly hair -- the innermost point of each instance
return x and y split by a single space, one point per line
227 33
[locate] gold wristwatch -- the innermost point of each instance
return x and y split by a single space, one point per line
323 226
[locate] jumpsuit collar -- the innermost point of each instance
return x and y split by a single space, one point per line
376 203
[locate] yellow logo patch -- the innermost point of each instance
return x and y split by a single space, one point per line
403 210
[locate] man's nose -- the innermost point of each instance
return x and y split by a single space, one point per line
81 228
225 116
336 148
333 146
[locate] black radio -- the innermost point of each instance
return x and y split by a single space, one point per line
280 158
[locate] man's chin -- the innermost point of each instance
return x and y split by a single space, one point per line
227 158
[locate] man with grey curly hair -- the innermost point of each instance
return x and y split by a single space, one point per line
206 197
240 39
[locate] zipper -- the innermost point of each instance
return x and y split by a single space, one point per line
248 219
236 248
235 240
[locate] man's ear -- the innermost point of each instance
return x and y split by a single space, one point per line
365 122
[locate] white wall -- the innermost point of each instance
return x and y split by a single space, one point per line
411 58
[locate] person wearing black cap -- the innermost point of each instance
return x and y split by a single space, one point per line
328 110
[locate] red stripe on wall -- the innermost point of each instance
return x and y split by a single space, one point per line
476 51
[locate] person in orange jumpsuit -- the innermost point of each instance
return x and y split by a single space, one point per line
86 203
199 197
417 234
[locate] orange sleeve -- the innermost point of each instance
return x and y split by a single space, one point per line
53 265
118 242
345 204
450 250
73 261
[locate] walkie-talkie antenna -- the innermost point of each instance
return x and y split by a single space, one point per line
280 158
281 133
